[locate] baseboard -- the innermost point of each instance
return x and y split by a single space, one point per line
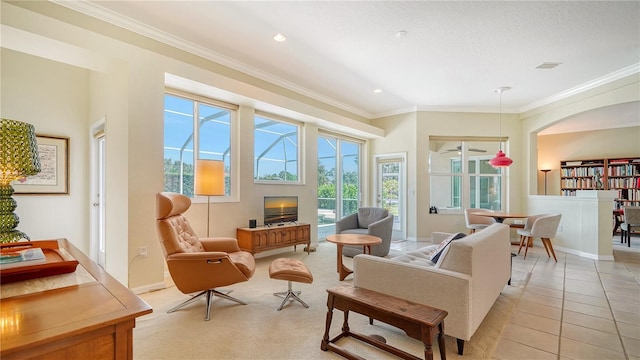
585 254
149 288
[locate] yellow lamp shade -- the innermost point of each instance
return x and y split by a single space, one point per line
209 177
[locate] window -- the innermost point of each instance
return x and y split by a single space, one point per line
195 128
461 177
338 181
277 150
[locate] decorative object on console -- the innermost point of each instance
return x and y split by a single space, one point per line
18 158
209 181
500 160
49 261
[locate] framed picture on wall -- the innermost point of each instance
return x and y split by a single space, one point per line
53 178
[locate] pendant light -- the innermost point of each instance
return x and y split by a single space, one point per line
500 160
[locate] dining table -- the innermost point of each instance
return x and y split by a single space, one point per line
500 217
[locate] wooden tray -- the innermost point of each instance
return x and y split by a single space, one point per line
56 263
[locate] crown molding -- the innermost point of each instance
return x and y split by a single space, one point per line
616 75
111 17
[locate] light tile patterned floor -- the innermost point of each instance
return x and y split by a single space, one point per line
576 308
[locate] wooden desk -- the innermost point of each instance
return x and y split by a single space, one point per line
351 239
93 319
418 321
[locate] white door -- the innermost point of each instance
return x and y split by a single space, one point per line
391 193
98 205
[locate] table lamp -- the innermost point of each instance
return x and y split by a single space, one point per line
209 181
18 158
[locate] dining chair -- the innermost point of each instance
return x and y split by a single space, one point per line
476 222
631 219
543 226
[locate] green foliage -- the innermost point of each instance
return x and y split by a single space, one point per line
172 177
282 176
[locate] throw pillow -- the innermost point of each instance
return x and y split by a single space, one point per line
443 245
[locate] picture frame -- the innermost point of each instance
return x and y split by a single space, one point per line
53 178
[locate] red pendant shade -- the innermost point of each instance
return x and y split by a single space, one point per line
500 160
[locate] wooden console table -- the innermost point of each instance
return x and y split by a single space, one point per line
259 239
93 319
418 321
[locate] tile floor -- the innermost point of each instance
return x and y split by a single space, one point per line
576 308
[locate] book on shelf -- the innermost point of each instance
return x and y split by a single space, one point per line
18 258
572 163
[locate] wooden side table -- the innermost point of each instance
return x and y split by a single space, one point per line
351 239
418 321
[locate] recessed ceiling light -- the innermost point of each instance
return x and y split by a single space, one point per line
401 33
279 37
548 65
377 91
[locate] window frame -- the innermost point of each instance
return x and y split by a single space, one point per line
299 153
464 175
231 169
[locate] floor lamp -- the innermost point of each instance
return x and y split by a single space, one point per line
209 181
545 171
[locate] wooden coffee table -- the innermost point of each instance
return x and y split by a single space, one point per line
351 239
418 321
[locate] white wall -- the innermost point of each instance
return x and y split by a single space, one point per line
54 98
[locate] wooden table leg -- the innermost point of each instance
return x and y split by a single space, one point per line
324 345
441 344
367 249
342 270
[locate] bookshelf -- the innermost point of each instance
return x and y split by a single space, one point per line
621 174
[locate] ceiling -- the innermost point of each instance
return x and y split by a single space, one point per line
452 57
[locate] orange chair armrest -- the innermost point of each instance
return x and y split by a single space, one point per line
220 244
210 255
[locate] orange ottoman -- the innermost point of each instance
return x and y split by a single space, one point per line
290 270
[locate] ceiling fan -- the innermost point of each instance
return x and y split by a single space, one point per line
459 148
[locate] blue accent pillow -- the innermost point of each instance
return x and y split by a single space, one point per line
443 245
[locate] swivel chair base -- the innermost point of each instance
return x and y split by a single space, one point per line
209 295
290 294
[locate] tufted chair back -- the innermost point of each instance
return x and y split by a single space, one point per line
176 236
198 264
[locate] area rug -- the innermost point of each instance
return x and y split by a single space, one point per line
258 331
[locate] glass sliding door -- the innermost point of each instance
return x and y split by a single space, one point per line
338 181
327 185
349 158
391 193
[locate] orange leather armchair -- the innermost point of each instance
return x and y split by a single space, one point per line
198 264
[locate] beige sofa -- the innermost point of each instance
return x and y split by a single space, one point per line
465 281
